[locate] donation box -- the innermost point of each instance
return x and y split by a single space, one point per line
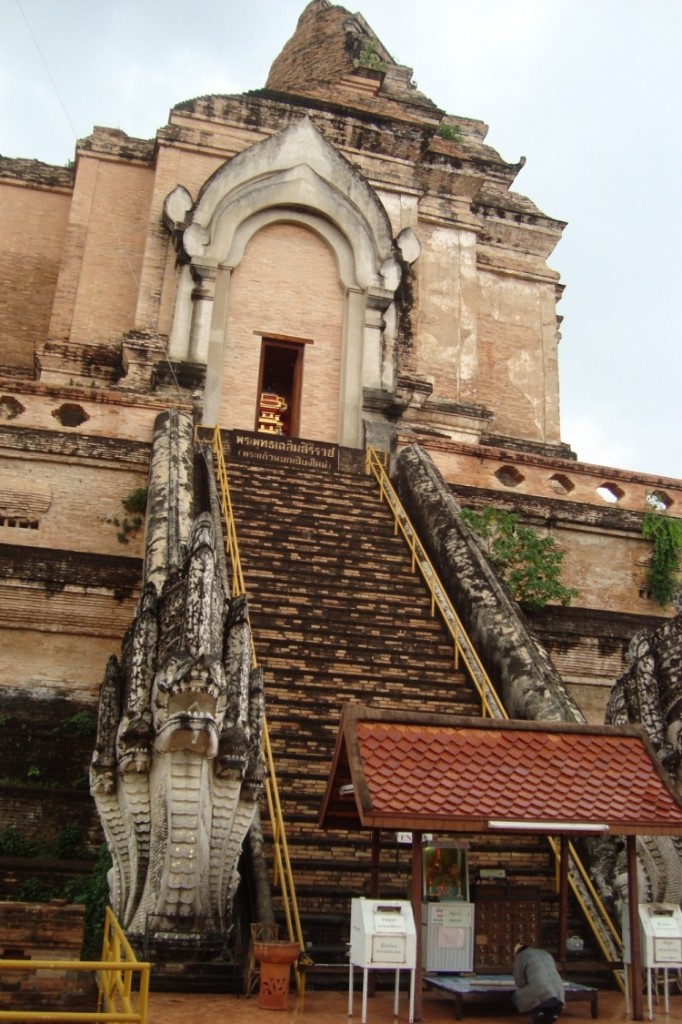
382 934
448 937
660 934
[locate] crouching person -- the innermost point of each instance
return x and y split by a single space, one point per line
539 988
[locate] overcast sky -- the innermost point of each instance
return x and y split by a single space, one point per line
589 91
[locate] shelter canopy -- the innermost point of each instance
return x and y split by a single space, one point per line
442 773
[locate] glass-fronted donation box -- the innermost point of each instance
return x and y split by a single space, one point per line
448 915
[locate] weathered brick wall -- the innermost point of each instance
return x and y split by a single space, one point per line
43 931
98 285
316 52
41 814
518 373
34 217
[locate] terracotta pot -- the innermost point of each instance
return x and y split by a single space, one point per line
275 960
279 951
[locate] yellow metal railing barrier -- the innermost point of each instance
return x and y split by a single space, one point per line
598 918
282 873
116 972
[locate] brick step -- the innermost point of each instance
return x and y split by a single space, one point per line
285 703
338 683
337 615
316 685
328 572
261 474
453 701
280 497
355 671
281 502
335 653
374 621
353 595
311 519
308 535
277 667
302 576
344 543
376 617
270 630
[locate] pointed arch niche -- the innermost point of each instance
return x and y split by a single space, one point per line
287 241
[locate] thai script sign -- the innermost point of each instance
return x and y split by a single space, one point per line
284 451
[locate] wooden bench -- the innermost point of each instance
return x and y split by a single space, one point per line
491 988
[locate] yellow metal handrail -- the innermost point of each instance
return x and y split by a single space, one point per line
491 703
115 972
282 873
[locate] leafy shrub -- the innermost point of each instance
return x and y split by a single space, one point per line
449 132
82 723
14 844
529 564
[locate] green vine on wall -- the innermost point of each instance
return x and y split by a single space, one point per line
528 563
135 505
665 533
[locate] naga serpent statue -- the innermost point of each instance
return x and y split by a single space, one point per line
649 693
177 773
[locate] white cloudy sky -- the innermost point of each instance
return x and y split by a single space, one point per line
589 91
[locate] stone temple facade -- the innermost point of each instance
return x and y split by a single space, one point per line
333 257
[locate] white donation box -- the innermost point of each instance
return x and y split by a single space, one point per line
448 937
382 936
660 930
660 936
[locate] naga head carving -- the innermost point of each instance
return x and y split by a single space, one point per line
189 698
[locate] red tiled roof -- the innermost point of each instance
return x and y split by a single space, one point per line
444 773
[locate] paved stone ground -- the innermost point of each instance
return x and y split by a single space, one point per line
332 1008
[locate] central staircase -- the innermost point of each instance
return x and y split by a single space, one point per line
337 614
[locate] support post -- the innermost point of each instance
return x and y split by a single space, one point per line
417 889
563 899
633 919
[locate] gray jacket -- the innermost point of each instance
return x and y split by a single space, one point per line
536 979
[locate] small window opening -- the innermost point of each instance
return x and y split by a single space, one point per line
10 407
561 484
70 414
509 476
18 522
279 389
610 492
659 500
